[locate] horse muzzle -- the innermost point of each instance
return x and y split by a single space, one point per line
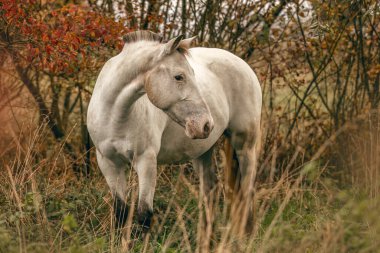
199 127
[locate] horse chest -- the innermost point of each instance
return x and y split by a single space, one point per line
176 147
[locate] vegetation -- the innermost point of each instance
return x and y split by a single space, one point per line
318 181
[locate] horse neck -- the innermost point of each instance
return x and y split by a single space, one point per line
135 60
128 84
127 97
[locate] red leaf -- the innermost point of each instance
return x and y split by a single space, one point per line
49 49
45 38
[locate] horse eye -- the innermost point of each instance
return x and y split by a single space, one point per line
178 77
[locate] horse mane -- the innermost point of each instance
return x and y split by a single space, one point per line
142 36
145 35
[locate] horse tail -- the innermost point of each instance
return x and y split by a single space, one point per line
232 174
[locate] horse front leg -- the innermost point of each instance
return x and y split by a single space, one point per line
205 166
207 175
115 176
145 165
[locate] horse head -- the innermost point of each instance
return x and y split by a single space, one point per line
172 87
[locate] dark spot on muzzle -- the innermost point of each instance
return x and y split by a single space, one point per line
206 128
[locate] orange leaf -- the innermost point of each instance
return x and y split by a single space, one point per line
45 38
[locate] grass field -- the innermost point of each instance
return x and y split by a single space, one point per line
309 207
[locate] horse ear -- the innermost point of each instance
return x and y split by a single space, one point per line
172 44
186 43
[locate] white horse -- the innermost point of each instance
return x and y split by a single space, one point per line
158 103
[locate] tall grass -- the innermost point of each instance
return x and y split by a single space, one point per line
328 203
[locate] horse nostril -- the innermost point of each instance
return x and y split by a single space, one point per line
206 128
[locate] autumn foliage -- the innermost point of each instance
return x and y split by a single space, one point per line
56 49
59 39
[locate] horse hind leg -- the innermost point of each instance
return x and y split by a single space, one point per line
244 144
231 173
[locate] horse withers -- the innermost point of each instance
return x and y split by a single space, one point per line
159 103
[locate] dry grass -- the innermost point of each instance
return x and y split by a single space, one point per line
45 208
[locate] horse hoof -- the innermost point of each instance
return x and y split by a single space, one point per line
145 219
121 212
